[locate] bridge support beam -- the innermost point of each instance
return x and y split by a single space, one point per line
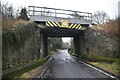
79 42
44 45
76 45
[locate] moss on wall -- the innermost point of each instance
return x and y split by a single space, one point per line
21 44
16 36
100 44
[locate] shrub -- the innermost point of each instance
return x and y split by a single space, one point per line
83 57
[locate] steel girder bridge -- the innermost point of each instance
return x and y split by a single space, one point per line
61 23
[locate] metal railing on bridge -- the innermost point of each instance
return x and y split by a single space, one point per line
53 12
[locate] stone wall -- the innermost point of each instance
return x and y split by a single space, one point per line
20 48
98 43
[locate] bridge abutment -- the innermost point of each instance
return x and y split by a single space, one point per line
79 44
76 45
44 45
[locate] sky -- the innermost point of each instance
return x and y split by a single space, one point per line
109 6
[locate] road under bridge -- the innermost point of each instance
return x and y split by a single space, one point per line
64 66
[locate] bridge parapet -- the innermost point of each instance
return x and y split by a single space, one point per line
44 14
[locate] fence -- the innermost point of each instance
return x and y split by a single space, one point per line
53 12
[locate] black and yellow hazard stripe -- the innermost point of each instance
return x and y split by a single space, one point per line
71 25
75 26
52 24
56 24
47 24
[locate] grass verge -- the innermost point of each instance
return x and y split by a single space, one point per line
109 64
31 73
34 72
27 70
19 70
104 59
110 67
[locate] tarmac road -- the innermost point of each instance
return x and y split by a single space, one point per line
65 66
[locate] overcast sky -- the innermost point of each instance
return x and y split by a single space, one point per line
109 6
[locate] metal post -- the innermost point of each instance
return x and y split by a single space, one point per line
33 11
91 17
41 11
28 10
55 13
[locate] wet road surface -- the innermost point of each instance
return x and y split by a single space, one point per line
65 66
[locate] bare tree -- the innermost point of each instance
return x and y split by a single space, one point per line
100 17
8 15
10 11
7 10
17 13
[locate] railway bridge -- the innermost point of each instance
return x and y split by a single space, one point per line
34 49
61 23
65 23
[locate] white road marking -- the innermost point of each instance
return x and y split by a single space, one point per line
42 72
